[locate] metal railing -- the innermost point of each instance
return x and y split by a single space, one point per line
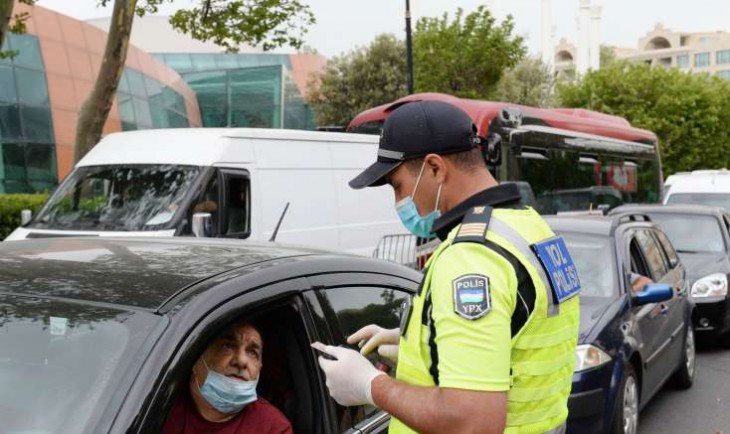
405 249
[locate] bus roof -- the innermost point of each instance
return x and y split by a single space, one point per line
483 113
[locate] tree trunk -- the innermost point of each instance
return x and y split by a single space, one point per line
95 109
6 13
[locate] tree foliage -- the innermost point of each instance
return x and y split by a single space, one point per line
12 23
12 204
529 83
608 56
228 23
690 113
361 79
466 56
266 23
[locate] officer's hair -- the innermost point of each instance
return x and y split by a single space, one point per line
468 161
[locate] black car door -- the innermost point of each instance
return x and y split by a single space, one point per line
677 317
290 379
350 301
649 319
661 361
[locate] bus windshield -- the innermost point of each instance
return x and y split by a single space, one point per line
117 198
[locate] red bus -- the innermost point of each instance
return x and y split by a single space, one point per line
562 159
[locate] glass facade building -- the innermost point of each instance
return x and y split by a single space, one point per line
43 87
27 144
244 90
145 102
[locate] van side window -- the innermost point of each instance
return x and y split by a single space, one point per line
238 204
208 202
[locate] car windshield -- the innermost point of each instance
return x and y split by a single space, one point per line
594 258
691 233
60 364
720 200
117 198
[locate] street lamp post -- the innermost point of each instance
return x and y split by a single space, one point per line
409 48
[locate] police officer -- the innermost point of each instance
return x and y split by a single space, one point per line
488 344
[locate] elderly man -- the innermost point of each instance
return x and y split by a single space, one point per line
222 395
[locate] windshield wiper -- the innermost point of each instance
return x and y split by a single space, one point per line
687 251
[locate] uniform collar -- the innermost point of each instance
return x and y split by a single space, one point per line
501 196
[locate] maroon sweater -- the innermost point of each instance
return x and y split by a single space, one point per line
259 417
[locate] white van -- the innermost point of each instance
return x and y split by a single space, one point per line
699 187
229 182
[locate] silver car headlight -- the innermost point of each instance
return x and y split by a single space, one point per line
714 285
589 357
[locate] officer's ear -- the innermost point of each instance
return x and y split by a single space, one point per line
436 167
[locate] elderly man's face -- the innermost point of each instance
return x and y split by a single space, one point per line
236 354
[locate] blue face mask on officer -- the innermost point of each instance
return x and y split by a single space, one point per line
418 225
225 394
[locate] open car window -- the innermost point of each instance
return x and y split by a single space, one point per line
355 307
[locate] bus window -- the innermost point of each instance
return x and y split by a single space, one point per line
648 177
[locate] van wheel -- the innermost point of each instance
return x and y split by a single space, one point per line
685 375
626 420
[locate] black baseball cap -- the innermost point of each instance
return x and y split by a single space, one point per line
415 130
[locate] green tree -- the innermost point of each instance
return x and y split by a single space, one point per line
361 79
466 56
688 112
608 56
11 22
529 83
228 23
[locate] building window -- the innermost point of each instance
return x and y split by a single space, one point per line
702 59
683 60
724 74
723 57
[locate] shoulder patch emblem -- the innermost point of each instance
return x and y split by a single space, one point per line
471 296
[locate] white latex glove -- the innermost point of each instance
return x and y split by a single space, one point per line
371 336
349 378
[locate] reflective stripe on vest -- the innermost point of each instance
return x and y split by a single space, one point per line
513 237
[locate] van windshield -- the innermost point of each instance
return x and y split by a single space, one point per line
117 198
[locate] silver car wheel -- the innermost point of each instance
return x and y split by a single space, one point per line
631 406
690 352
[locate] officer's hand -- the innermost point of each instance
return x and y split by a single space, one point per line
349 378
371 336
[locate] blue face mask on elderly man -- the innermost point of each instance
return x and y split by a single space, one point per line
420 226
225 394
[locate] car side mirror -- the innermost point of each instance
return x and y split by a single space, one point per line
654 293
25 216
202 224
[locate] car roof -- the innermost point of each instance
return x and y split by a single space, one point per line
667 209
130 272
591 224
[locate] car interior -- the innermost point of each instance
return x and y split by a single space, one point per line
286 378
638 265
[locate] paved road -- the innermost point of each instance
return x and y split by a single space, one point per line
703 409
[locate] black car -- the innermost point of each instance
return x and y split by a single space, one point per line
100 335
630 342
701 236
